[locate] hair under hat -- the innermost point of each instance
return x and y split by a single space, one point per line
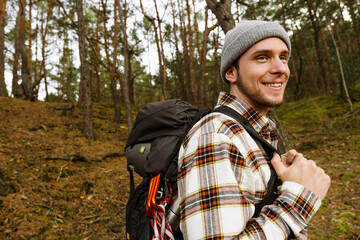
239 39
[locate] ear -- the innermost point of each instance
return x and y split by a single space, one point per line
231 74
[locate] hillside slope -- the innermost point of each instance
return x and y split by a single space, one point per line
325 131
62 186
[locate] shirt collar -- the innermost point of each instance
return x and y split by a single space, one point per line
257 120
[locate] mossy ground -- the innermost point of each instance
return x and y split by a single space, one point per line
324 130
70 198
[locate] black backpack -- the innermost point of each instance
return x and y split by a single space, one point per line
152 151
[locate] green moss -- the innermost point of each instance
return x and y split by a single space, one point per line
322 114
349 176
355 93
58 195
52 169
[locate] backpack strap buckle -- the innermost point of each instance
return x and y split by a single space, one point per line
153 200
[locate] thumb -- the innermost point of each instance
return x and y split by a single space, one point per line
279 167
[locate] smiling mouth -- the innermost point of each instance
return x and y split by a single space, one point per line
273 84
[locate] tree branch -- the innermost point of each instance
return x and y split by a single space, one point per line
76 157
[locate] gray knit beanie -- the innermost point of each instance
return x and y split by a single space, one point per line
239 39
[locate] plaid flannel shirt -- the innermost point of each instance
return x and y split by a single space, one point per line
223 173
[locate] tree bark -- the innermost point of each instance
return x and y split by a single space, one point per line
222 11
312 77
127 62
114 77
163 64
284 144
26 83
355 21
343 81
84 71
190 57
298 91
3 90
112 68
203 60
28 88
96 63
217 80
283 14
161 57
29 53
185 52
16 89
320 58
179 62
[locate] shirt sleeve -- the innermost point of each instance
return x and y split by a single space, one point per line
218 189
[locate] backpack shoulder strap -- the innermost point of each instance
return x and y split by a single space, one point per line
268 148
274 181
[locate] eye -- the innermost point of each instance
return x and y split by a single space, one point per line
284 57
262 58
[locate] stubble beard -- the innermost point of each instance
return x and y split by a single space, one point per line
258 98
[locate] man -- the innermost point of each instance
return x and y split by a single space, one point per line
222 171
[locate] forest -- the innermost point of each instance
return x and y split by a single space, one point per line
106 51
74 73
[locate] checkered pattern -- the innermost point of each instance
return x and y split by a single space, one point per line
223 173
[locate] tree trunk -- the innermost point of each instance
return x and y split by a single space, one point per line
96 67
29 53
320 58
163 65
222 11
127 62
28 88
36 45
161 57
283 14
312 77
355 22
16 89
196 27
3 90
179 62
203 60
343 81
217 80
284 144
64 72
42 70
69 93
114 77
84 71
190 57
112 69
297 90
185 53
26 84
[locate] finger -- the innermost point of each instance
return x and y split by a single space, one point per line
278 165
312 163
289 157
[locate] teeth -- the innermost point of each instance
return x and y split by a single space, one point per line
273 84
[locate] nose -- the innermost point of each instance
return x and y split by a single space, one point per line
279 66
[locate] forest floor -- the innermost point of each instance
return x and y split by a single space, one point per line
61 186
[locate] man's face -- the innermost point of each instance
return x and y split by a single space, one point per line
263 74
